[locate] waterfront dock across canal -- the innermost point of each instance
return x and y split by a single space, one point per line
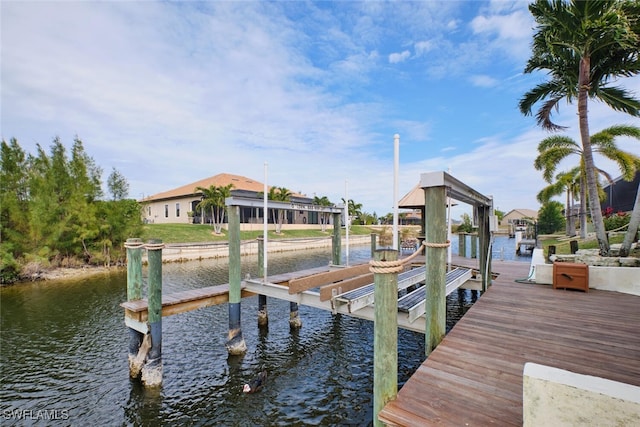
474 376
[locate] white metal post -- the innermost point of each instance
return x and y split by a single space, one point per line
265 222
396 166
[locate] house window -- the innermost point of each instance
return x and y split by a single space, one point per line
166 211
149 210
177 210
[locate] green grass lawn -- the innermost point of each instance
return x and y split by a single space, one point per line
196 233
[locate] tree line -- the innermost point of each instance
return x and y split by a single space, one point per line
54 213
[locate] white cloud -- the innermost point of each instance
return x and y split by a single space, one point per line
483 81
422 47
510 33
452 25
395 58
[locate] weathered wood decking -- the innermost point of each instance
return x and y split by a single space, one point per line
474 377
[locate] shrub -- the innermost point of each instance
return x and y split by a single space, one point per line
10 268
613 221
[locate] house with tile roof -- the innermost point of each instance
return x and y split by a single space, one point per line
519 219
179 205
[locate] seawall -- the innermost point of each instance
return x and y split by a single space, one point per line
178 252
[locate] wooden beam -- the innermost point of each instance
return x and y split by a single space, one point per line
181 302
309 282
326 292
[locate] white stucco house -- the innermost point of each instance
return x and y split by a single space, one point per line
179 205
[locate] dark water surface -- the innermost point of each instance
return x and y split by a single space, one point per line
63 356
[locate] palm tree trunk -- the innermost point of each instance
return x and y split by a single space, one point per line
572 218
587 154
568 213
634 222
583 207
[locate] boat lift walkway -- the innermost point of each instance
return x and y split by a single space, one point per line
357 302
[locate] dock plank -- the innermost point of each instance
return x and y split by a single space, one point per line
474 377
313 281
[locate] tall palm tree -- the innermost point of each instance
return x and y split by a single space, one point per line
584 45
323 201
214 198
279 194
223 192
207 201
554 149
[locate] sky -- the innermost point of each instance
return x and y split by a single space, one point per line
169 93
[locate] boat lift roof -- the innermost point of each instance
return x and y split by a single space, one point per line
249 202
456 188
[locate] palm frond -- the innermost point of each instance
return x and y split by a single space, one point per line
619 100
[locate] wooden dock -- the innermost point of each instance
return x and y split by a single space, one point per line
475 376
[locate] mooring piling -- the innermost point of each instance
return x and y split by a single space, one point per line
294 316
373 243
436 254
134 293
263 316
336 243
474 245
385 332
152 369
462 244
235 342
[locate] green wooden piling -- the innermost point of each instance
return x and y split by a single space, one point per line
422 227
435 232
134 292
474 246
462 244
263 317
385 335
336 243
134 269
485 245
235 342
373 243
152 369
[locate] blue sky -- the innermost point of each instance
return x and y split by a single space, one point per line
171 93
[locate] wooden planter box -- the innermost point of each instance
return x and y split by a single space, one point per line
570 275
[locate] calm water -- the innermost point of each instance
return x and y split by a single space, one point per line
503 248
63 356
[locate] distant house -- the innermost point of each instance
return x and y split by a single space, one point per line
519 219
621 195
180 204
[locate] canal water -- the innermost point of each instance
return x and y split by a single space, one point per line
63 356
